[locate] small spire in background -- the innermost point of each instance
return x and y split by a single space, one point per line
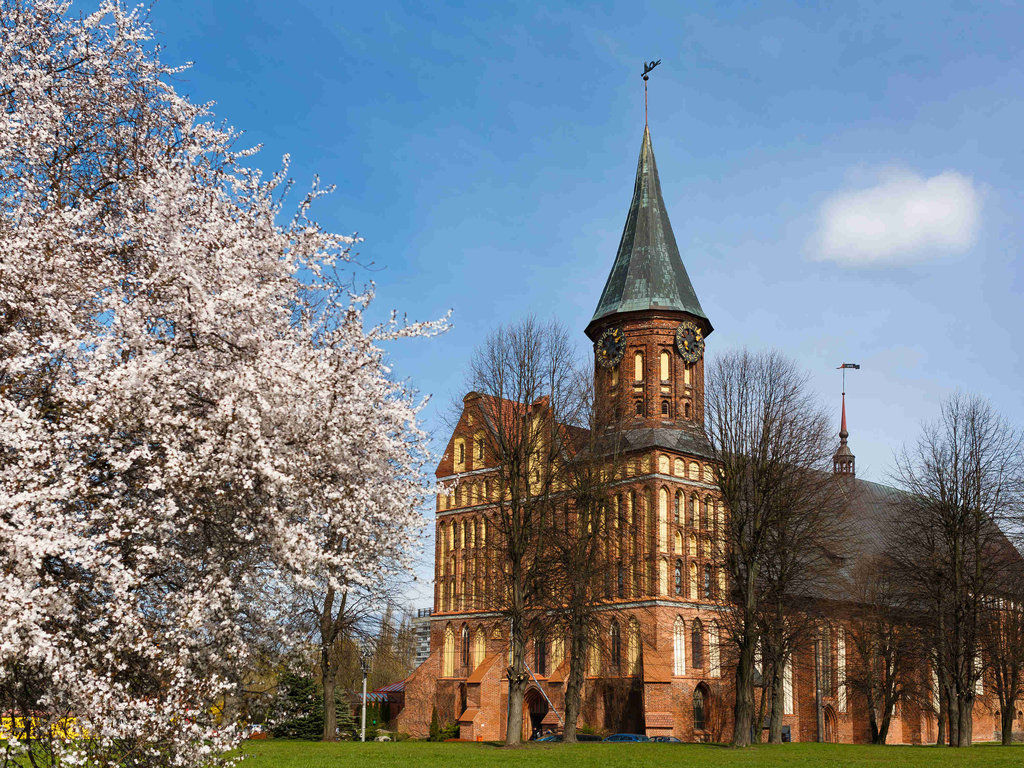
844 462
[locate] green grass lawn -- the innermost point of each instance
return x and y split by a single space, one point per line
414 754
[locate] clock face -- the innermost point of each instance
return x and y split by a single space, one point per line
610 347
690 342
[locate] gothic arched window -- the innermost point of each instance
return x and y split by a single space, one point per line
679 508
616 645
699 718
679 577
464 640
697 644
678 647
708 582
664 365
540 655
638 366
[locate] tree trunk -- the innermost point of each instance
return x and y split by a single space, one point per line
778 704
516 685
1006 725
330 712
953 714
940 719
743 710
574 685
883 731
965 705
873 716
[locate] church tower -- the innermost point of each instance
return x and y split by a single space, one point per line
649 328
844 462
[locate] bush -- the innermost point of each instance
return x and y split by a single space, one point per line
435 726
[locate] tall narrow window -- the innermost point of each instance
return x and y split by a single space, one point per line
708 583
448 653
621 581
664 407
663 519
678 647
663 576
664 366
616 645
540 656
679 508
679 578
698 709
464 640
633 646
697 644
638 366
714 651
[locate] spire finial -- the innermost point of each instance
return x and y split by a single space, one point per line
648 66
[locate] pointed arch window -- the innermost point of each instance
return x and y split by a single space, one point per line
678 646
664 365
697 644
616 645
708 582
479 645
679 577
464 642
633 647
638 366
448 653
540 656
699 718
679 508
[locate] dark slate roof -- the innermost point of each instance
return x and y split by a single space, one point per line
648 272
688 440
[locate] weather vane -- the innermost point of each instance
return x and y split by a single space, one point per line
648 66
843 367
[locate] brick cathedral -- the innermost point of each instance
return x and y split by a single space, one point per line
668 674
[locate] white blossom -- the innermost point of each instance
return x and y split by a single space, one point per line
190 398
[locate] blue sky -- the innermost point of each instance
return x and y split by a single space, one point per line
843 182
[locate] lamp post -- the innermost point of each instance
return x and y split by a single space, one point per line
364 664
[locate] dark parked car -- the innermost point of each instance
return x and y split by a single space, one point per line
579 737
667 739
627 737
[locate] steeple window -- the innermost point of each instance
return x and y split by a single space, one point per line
664 366
638 366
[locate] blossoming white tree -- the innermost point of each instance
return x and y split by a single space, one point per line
189 398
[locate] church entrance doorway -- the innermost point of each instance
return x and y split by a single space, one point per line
537 709
831 729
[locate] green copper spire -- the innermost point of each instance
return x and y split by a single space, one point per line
648 273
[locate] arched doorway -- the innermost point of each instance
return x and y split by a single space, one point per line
536 708
831 729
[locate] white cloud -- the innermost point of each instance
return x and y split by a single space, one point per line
903 218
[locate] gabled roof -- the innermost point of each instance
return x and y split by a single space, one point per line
648 272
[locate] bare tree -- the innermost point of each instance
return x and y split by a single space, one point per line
963 478
886 644
526 379
772 445
584 543
1002 642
